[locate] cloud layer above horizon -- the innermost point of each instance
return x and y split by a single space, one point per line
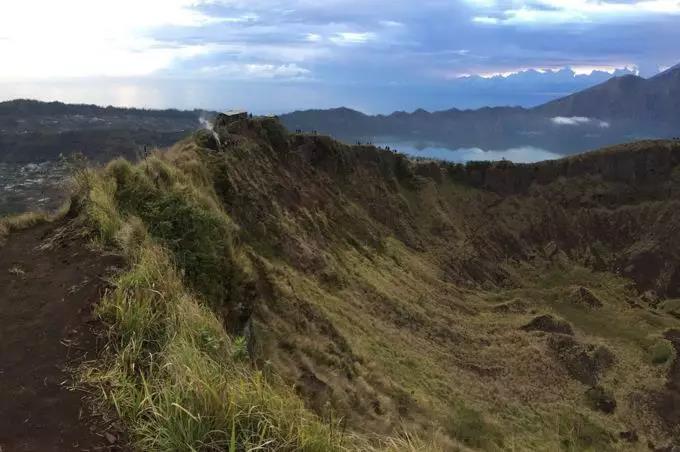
375 55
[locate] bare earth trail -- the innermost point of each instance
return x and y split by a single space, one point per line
46 298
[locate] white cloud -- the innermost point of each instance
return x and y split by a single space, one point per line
547 12
352 38
256 70
313 37
587 70
578 121
485 20
273 71
570 121
391 23
245 18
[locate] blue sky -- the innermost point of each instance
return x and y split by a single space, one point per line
373 55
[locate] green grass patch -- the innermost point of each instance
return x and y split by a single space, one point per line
469 427
660 352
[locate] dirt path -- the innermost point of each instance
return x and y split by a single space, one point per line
46 298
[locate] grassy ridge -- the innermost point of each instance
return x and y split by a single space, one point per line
171 372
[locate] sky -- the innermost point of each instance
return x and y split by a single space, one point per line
376 56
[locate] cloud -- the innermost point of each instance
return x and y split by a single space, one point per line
578 121
570 121
486 20
256 70
546 12
390 23
344 38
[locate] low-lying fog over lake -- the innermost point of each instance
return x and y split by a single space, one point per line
521 154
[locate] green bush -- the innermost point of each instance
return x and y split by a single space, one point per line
194 229
660 352
275 133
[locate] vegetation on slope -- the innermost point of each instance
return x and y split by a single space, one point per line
389 296
171 370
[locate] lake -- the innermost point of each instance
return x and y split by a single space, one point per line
522 154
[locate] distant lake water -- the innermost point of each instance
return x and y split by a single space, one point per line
522 154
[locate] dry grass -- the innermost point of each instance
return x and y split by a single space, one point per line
28 220
170 370
20 222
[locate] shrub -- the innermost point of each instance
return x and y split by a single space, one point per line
274 133
183 217
660 352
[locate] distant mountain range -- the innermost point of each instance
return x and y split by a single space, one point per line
625 98
624 108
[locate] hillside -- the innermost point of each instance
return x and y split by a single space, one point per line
36 137
34 132
410 306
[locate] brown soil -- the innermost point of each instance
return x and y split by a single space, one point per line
49 280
